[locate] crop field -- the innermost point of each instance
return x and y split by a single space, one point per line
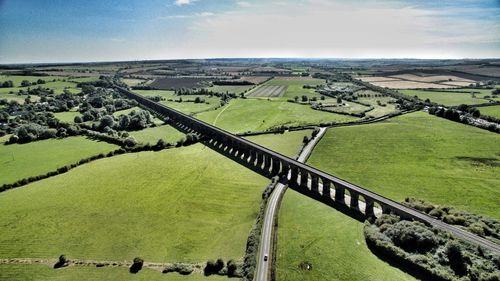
294 86
47 273
169 206
268 91
132 81
332 243
254 79
152 135
230 89
68 116
181 82
418 155
18 161
444 97
243 115
493 110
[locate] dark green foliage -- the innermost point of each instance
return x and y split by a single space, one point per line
456 259
136 265
412 236
183 269
61 262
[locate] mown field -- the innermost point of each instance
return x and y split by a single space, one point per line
329 241
444 97
490 110
60 84
46 273
294 86
418 155
18 161
242 115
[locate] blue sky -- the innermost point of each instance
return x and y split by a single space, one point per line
67 31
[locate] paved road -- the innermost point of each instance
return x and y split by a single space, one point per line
262 271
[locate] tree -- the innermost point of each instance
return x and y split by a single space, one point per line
25 83
107 121
296 98
339 100
305 98
456 258
136 265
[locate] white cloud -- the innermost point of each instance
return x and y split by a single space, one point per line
184 16
184 2
244 4
320 28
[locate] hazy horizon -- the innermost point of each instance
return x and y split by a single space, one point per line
59 31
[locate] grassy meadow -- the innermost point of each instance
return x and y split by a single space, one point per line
242 115
68 116
331 242
46 273
152 135
169 206
288 143
230 89
295 87
18 161
185 106
493 110
418 155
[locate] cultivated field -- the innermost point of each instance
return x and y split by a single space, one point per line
445 97
332 243
420 81
242 115
268 91
20 161
418 155
169 206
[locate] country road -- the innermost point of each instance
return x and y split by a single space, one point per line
262 271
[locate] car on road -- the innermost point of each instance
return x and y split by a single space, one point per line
265 257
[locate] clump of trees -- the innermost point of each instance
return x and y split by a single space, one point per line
477 224
428 252
136 265
181 268
466 116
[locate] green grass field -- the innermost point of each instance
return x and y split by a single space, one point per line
45 273
331 242
169 206
18 161
242 115
490 110
380 110
444 97
68 116
126 111
14 97
17 79
186 107
418 155
230 89
152 135
288 144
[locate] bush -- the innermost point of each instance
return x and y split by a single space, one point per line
454 219
412 236
61 262
454 253
136 265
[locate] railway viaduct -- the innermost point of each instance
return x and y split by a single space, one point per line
301 177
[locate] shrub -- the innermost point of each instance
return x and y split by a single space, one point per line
136 265
61 262
454 219
412 236
457 262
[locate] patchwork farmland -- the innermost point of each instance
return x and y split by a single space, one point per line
150 187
